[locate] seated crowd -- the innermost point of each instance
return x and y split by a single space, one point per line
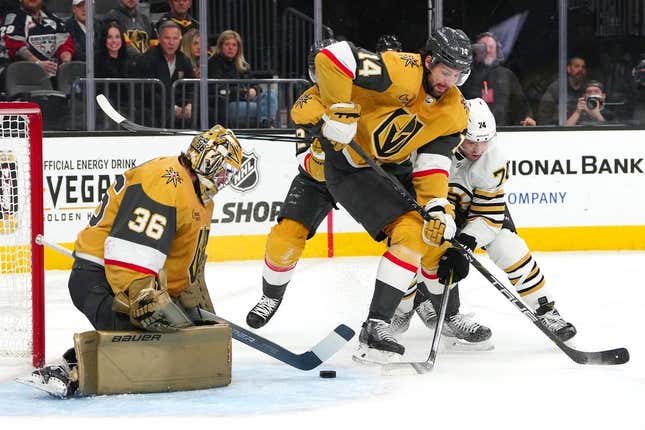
129 45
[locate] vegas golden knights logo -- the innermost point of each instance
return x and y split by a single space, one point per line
8 193
395 132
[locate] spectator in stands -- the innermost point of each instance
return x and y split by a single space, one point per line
388 42
179 14
639 108
168 64
591 109
244 103
497 85
111 59
190 46
37 36
137 27
576 78
75 25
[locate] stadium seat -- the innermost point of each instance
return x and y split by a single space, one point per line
68 73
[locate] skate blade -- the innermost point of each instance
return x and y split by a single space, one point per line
54 388
454 344
374 357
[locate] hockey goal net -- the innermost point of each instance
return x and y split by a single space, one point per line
21 220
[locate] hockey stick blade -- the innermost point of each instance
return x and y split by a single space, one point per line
119 119
308 360
426 366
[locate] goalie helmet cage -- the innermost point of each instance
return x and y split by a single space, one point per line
22 307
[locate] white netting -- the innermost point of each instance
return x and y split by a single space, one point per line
15 237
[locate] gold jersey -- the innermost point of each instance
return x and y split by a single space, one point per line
150 218
397 115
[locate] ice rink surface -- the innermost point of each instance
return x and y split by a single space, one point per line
524 383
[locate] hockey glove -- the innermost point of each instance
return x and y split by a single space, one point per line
151 307
340 124
442 225
452 260
314 161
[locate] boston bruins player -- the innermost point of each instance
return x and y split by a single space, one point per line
477 178
395 104
141 258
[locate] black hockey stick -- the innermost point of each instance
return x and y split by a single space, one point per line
612 356
115 116
308 360
426 366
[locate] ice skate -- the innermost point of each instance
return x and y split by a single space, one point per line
56 380
376 344
460 331
550 317
262 311
401 322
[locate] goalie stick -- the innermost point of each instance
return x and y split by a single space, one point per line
608 357
115 116
308 360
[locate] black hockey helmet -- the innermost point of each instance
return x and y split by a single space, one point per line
315 48
388 42
452 48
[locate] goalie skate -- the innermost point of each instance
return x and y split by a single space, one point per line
55 380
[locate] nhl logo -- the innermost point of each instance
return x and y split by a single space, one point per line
248 176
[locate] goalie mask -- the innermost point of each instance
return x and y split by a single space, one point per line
215 156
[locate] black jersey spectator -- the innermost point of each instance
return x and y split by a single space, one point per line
32 34
137 27
111 60
179 14
168 64
576 78
75 25
591 108
244 102
497 85
639 105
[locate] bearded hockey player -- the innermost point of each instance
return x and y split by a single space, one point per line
394 104
477 178
139 264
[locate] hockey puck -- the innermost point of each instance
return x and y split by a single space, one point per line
327 373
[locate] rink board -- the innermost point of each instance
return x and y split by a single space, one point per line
568 191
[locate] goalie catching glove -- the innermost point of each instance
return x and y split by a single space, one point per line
441 226
341 123
151 308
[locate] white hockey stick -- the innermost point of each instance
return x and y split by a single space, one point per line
308 360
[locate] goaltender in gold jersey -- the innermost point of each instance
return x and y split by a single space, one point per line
139 265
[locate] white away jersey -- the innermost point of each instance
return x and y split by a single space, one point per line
476 188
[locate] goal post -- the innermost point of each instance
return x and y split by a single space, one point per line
22 305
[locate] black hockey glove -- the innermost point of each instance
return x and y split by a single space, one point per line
453 260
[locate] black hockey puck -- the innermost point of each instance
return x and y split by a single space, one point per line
327 373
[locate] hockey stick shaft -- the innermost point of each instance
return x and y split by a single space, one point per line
115 116
308 360
614 356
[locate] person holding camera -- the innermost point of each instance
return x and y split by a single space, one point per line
590 109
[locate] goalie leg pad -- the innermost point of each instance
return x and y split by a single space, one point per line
119 362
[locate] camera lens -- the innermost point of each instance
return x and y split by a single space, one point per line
592 103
